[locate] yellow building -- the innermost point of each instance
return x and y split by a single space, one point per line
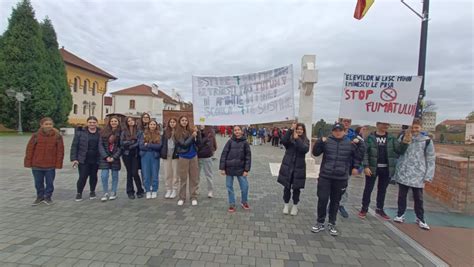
88 85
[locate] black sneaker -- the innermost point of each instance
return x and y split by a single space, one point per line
48 201
78 197
343 212
141 195
332 229
92 195
131 196
382 214
37 201
317 228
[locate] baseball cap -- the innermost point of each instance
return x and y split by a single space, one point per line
337 126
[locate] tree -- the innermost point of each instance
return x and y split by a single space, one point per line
429 106
57 73
23 68
321 128
470 117
441 128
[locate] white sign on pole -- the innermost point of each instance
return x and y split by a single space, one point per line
260 97
380 98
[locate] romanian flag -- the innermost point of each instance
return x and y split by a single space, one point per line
362 7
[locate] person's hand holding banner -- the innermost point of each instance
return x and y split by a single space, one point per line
407 137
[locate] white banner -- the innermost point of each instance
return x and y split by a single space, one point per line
384 98
260 97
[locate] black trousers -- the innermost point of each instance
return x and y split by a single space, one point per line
87 170
275 141
287 195
417 197
131 164
329 190
384 180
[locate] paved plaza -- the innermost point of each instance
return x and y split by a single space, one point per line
159 233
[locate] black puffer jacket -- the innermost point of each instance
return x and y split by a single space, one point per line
164 148
294 163
128 145
80 145
339 155
236 157
104 153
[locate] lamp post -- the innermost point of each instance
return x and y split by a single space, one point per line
19 97
422 55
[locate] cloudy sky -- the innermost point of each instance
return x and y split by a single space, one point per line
166 42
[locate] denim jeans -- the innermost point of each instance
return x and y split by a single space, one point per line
150 171
244 188
105 180
41 177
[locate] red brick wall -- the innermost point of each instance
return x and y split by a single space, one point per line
451 184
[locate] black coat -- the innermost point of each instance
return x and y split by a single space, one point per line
128 145
205 148
104 153
338 156
294 163
164 148
236 157
184 144
80 145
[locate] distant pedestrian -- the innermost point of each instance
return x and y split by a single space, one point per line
235 161
381 154
339 154
292 173
205 152
276 136
130 153
169 155
110 151
415 168
85 156
44 154
187 139
150 146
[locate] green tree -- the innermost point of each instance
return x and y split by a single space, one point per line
23 67
321 128
469 117
57 74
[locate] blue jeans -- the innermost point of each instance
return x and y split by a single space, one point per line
41 177
150 171
244 188
105 180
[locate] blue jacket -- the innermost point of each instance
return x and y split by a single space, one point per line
155 148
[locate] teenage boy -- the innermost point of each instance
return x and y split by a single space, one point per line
383 150
339 155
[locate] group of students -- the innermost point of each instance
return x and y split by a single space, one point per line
408 160
186 152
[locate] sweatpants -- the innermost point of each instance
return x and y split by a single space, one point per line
383 182
205 167
329 190
171 173
188 168
417 198
87 170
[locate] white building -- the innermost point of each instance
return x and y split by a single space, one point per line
142 98
469 132
429 121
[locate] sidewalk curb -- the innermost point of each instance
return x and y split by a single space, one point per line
415 245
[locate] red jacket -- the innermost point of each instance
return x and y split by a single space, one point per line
45 150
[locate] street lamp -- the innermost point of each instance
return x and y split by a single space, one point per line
19 97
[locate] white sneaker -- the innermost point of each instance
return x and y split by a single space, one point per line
180 202
286 208
423 225
194 202
105 197
168 194
294 210
148 195
154 194
399 219
210 195
113 196
173 194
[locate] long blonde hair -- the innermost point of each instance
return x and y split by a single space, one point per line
152 136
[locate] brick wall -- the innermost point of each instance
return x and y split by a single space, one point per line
451 184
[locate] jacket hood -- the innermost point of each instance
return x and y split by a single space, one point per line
243 138
420 138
